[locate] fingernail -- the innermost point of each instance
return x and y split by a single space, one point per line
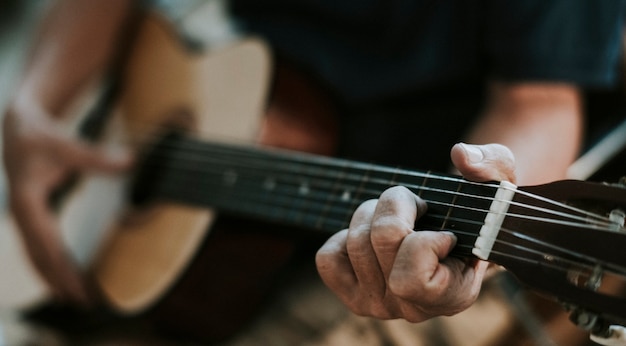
474 155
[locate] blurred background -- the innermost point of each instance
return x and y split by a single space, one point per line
17 22
604 157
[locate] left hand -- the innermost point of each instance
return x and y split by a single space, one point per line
380 267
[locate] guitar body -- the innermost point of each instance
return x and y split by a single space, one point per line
136 256
166 261
161 261
164 86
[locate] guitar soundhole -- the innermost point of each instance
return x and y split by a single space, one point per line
148 177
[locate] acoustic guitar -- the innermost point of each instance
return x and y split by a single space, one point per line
140 235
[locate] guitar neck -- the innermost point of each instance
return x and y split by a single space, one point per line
544 242
307 191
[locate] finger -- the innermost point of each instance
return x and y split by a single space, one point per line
360 251
334 266
84 156
425 275
44 244
394 218
484 162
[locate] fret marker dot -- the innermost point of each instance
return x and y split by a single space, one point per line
269 184
304 189
345 196
230 177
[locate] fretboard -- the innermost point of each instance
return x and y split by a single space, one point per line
313 192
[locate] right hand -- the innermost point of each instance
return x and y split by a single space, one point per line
38 159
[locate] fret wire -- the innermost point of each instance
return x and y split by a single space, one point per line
474 196
282 204
204 145
374 193
423 189
280 195
355 200
355 177
445 220
290 191
423 186
283 199
297 157
329 200
392 181
340 222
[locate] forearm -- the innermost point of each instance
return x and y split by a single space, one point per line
540 123
76 40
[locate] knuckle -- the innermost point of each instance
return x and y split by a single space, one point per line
324 259
368 205
398 287
364 211
394 195
358 241
359 230
330 253
374 309
391 222
358 309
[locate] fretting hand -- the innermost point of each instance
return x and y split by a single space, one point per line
380 267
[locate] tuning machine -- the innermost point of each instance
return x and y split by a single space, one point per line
618 216
616 336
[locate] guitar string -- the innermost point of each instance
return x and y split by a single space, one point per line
287 180
530 195
596 225
289 206
332 162
382 169
240 195
385 182
435 177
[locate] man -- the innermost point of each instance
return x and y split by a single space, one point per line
484 72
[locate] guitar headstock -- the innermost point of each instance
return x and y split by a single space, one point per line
567 239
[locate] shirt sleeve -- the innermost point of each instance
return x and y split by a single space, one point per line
577 41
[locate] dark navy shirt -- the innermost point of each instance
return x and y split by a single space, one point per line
408 69
371 48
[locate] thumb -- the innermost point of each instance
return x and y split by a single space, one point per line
484 162
85 156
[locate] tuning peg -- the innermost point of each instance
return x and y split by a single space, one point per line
588 320
618 218
615 336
